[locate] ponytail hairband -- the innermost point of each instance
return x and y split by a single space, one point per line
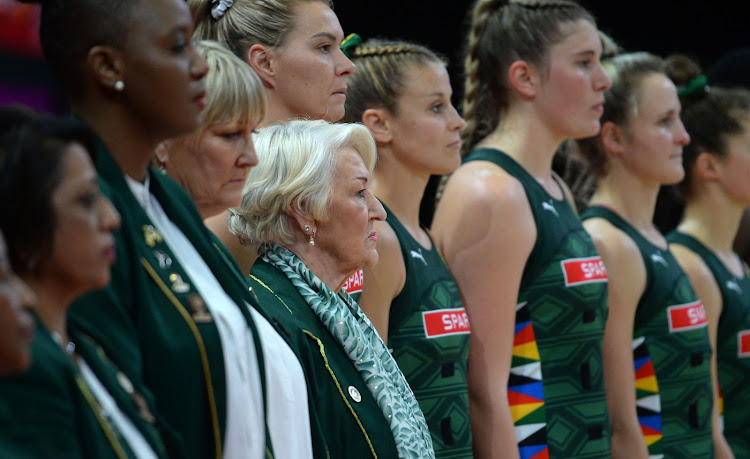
697 85
350 44
221 7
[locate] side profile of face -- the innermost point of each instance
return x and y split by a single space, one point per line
346 240
653 141
310 69
425 131
16 323
571 97
212 164
83 247
735 168
162 72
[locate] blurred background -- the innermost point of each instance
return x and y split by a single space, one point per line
704 30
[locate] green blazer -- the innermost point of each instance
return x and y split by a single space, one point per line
153 323
345 420
49 411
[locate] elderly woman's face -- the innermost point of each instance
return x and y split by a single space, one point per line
212 165
16 324
348 236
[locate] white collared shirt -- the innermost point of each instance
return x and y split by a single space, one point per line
288 418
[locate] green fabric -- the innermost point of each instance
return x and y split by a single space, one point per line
435 365
50 412
557 381
152 339
357 337
733 367
342 427
680 358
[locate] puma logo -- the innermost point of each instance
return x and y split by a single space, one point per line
732 285
548 206
656 258
418 254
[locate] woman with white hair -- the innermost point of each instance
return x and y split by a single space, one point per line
308 205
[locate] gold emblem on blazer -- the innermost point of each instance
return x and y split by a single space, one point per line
151 236
200 311
178 285
143 411
165 261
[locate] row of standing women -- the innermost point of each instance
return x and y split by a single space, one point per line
223 330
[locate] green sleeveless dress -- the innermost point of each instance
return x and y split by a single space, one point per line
671 354
428 332
732 345
556 387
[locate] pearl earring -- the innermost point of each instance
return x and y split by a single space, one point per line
312 238
119 85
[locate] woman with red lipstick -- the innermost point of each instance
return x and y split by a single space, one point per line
309 206
656 347
211 164
176 316
529 276
72 402
402 93
295 48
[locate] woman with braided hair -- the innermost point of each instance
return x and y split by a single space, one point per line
533 284
402 93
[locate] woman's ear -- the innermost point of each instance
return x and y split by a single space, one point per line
612 138
105 63
260 58
378 121
707 167
523 78
162 154
305 223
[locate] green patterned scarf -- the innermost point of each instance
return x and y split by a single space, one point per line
345 321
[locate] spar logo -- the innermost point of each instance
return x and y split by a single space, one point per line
743 343
579 271
445 322
686 317
354 283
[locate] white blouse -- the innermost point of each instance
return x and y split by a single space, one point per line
288 419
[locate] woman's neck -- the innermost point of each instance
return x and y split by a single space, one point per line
400 188
321 264
53 300
629 197
521 137
712 219
244 255
127 141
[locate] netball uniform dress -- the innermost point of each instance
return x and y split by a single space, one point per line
556 387
428 332
671 354
732 345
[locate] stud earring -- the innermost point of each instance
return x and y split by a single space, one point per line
307 228
119 86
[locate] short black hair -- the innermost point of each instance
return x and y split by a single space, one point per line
31 154
70 28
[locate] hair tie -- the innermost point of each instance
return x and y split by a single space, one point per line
222 7
697 85
350 44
